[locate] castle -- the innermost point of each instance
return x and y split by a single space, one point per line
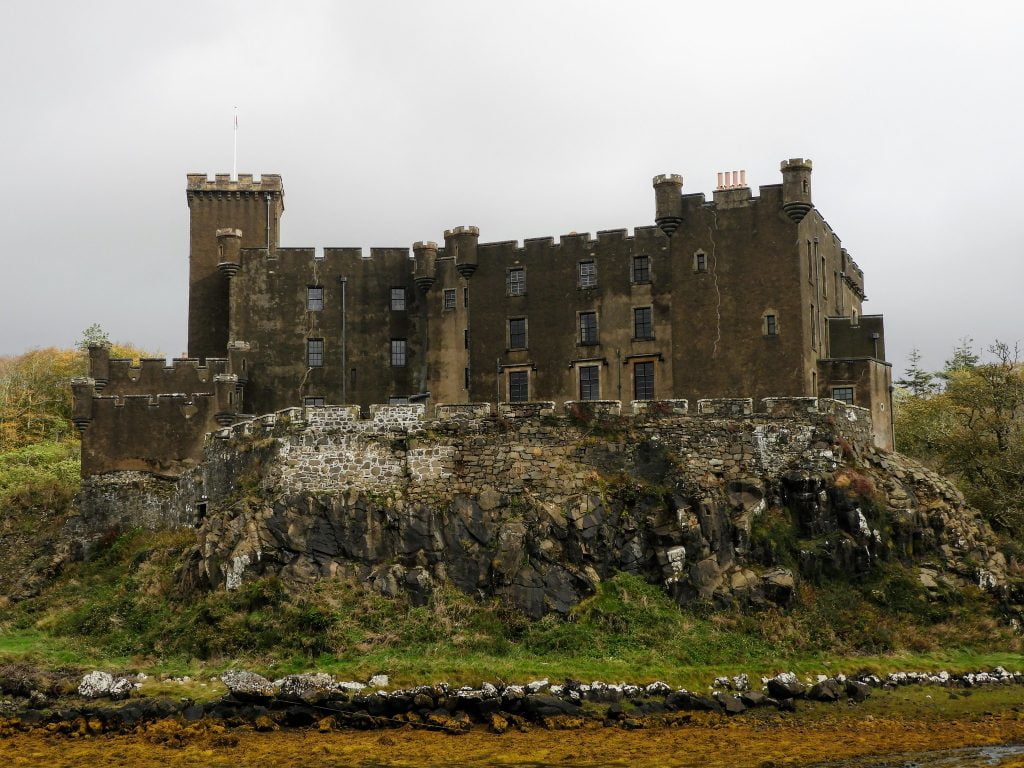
741 296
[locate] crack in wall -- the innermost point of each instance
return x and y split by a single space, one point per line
718 292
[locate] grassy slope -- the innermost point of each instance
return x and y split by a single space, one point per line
122 610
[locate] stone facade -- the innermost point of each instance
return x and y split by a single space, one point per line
738 296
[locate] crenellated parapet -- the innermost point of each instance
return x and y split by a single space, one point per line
152 376
222 185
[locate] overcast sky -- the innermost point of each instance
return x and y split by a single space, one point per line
391 121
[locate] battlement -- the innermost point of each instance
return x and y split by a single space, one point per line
466 230
153 376
796 164
222 182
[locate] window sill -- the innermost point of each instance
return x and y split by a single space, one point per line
588 343
515 295
642 338
639 282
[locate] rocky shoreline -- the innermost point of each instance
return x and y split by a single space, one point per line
103 703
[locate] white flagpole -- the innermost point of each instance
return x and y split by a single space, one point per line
234 156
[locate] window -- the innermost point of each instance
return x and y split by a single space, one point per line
517 333
643 327
700 262
588 274
590 385
313 401
518 386
352 378
588 327
843 394
399 352
315 353
465 338
397 299
641 269
643 381
314 298
810 264
824 281
465 297
449 298
465 378
771 325
814 329
517 281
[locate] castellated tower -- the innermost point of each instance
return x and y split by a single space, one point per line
255 208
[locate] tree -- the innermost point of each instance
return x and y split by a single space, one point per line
963 357
917 381
35 399
974 431
91 336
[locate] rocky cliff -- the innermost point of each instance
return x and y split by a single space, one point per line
725 506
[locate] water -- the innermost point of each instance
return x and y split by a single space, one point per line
968 757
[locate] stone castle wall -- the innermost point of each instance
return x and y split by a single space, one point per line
514 449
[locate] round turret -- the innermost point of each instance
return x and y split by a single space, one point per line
796 188
425 264
461 243
668 202
229 246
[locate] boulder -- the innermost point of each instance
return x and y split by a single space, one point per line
308 687
826 690
95 685
247 685
785 686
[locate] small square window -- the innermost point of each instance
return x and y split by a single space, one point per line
449 298
313 401
315 353
843 394
641 269
518 386
590 382
643 324
588 327
399 352
588 274
771 325
398 299
643 380
517 333
314 298
700 262
517 281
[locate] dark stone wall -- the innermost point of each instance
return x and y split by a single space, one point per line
849 340
270 313
162 435
253 207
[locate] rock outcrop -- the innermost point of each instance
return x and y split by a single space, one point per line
537 511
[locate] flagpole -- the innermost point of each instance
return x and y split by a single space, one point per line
234 154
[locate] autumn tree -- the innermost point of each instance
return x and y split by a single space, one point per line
974 431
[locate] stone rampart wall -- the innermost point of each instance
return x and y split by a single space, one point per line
401 451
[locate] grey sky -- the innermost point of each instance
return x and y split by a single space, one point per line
391 121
